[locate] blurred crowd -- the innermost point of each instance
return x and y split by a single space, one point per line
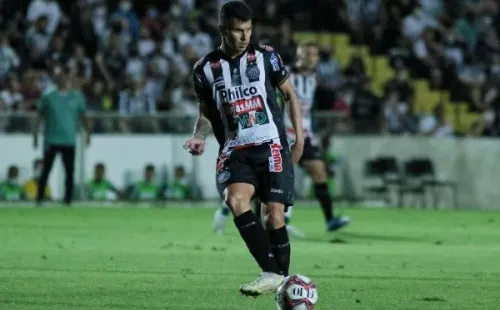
134 57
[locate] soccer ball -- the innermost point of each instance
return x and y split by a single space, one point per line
297 292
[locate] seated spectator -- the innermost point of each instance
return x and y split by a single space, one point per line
366 110
435 125
400 84
398 116
31 186
179 188
100 188
10 189
148 189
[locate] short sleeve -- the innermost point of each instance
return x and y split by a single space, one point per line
275 67
202 90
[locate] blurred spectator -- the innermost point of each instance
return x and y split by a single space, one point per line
135 101
30 90
99 188
30 187
80 66
38 42
9 60
148 189
179 188
57 52
472 76
435 124
136 66
10 189
11 96
355 70
284 43
401 86
398 116
415 23
126 13
111 63
429 54
146 44
366 110
48 8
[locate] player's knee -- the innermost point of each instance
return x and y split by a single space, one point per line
238 203
276 215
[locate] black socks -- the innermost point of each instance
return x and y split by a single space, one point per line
257 241
325 200
280 246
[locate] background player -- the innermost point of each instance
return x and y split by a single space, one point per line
304 81
235 86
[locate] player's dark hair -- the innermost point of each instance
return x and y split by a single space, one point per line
150 167
12 171
234 9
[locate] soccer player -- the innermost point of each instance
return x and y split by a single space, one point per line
236 88
304 81
61 110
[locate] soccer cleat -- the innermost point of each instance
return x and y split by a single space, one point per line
337 223
220 220
267 282
294 232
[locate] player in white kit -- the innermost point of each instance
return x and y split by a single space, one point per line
304 80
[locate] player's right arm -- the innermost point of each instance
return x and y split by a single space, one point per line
202 126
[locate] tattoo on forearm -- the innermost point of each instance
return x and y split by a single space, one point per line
202 128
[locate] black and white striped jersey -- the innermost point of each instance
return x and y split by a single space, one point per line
304 83
241 96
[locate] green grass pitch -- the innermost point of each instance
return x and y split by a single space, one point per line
137 258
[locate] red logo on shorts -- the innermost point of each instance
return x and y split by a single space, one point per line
220 163
275 161
215 65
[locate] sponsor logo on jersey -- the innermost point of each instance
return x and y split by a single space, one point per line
275 62
267 48
215 64
237 93
275 161
247 105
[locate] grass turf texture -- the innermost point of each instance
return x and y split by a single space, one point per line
91 258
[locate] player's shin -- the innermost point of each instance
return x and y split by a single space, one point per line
325 200
278 236
257 241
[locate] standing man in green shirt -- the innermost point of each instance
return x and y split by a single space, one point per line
61 109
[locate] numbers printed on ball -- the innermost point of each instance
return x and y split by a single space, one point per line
297 292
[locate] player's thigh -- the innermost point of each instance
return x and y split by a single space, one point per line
316 168
236 182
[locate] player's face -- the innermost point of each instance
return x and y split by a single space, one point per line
309 56
237 34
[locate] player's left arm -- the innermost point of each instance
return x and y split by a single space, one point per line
290 98
280 79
